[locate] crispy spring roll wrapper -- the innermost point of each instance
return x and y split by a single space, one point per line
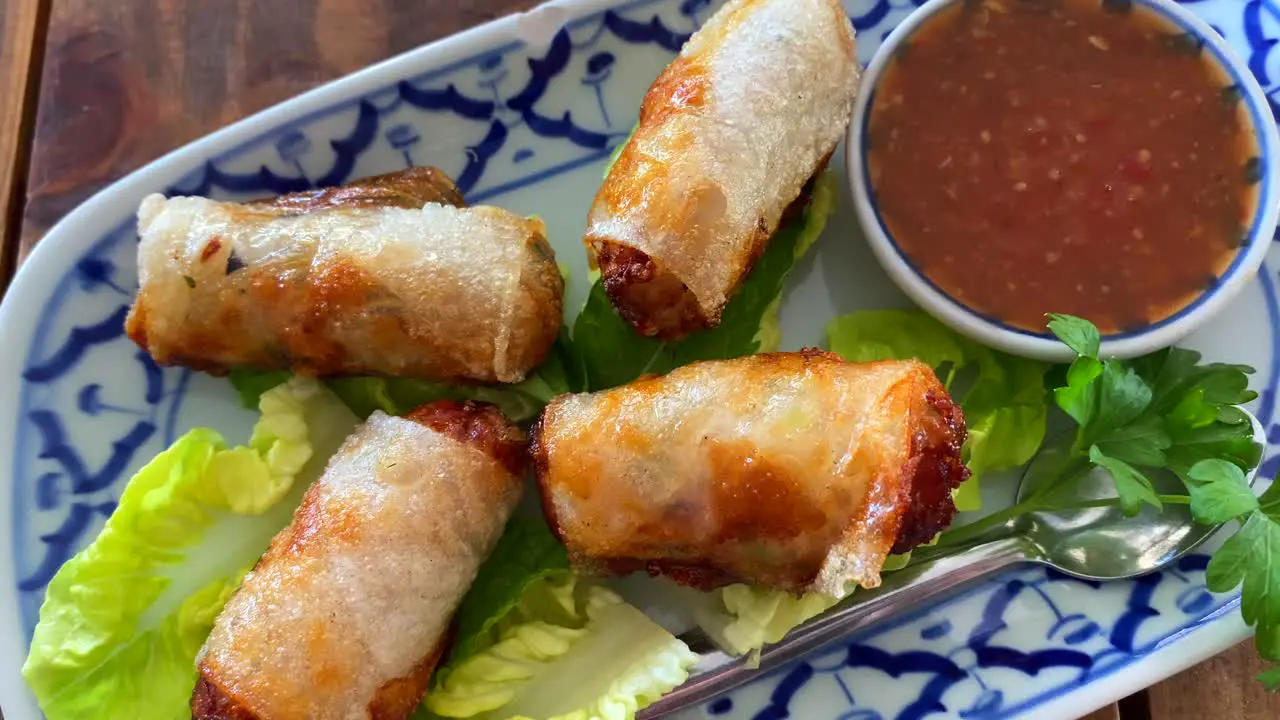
346 614
798 471
728 135
356 280
411 188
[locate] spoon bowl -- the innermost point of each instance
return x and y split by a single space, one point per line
1102 543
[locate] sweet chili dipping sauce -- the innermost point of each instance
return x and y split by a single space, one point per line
1034 156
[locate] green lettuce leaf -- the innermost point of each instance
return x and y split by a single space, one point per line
529 630
250 384
560 373
614 354
1002 396
526 553
742 619
569 651
123 619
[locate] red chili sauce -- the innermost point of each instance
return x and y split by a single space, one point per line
1070 156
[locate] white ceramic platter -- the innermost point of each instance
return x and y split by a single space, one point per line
523 112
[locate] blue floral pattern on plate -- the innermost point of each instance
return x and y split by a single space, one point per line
514 117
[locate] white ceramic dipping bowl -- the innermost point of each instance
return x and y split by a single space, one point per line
991 330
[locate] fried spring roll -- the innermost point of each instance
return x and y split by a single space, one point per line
346 614
364 279
797 471
729 133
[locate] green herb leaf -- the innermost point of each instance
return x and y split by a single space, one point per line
1232 415
1267 638
1260 597
1168 410
1190 445
1160 410
613 353
1270 678
1132 486
1122 396
1076 333
1141 442
1230 563
1079 397
1250 558
526 553
1269 503
1219 492
1174 373
1192 411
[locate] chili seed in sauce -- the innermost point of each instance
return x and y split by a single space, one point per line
1074 159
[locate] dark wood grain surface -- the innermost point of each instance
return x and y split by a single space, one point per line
125 81
20 24
93 89
1221 687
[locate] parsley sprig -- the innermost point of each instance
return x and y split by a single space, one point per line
1166 412
1250 558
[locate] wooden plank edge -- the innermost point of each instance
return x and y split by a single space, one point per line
26 26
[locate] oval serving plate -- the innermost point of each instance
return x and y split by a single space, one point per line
523 112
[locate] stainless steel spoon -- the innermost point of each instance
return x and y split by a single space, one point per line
1093 544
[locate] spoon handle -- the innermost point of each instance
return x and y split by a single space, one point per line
719 672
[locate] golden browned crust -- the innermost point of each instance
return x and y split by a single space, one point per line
410 188
304 345
135 325
480 425
655 301
700 576
541 311
333 313
540 464
795 514
342 614
342 287
934 470
210 701
683 85
717 157
397 699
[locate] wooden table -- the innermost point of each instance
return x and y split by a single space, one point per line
92 89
